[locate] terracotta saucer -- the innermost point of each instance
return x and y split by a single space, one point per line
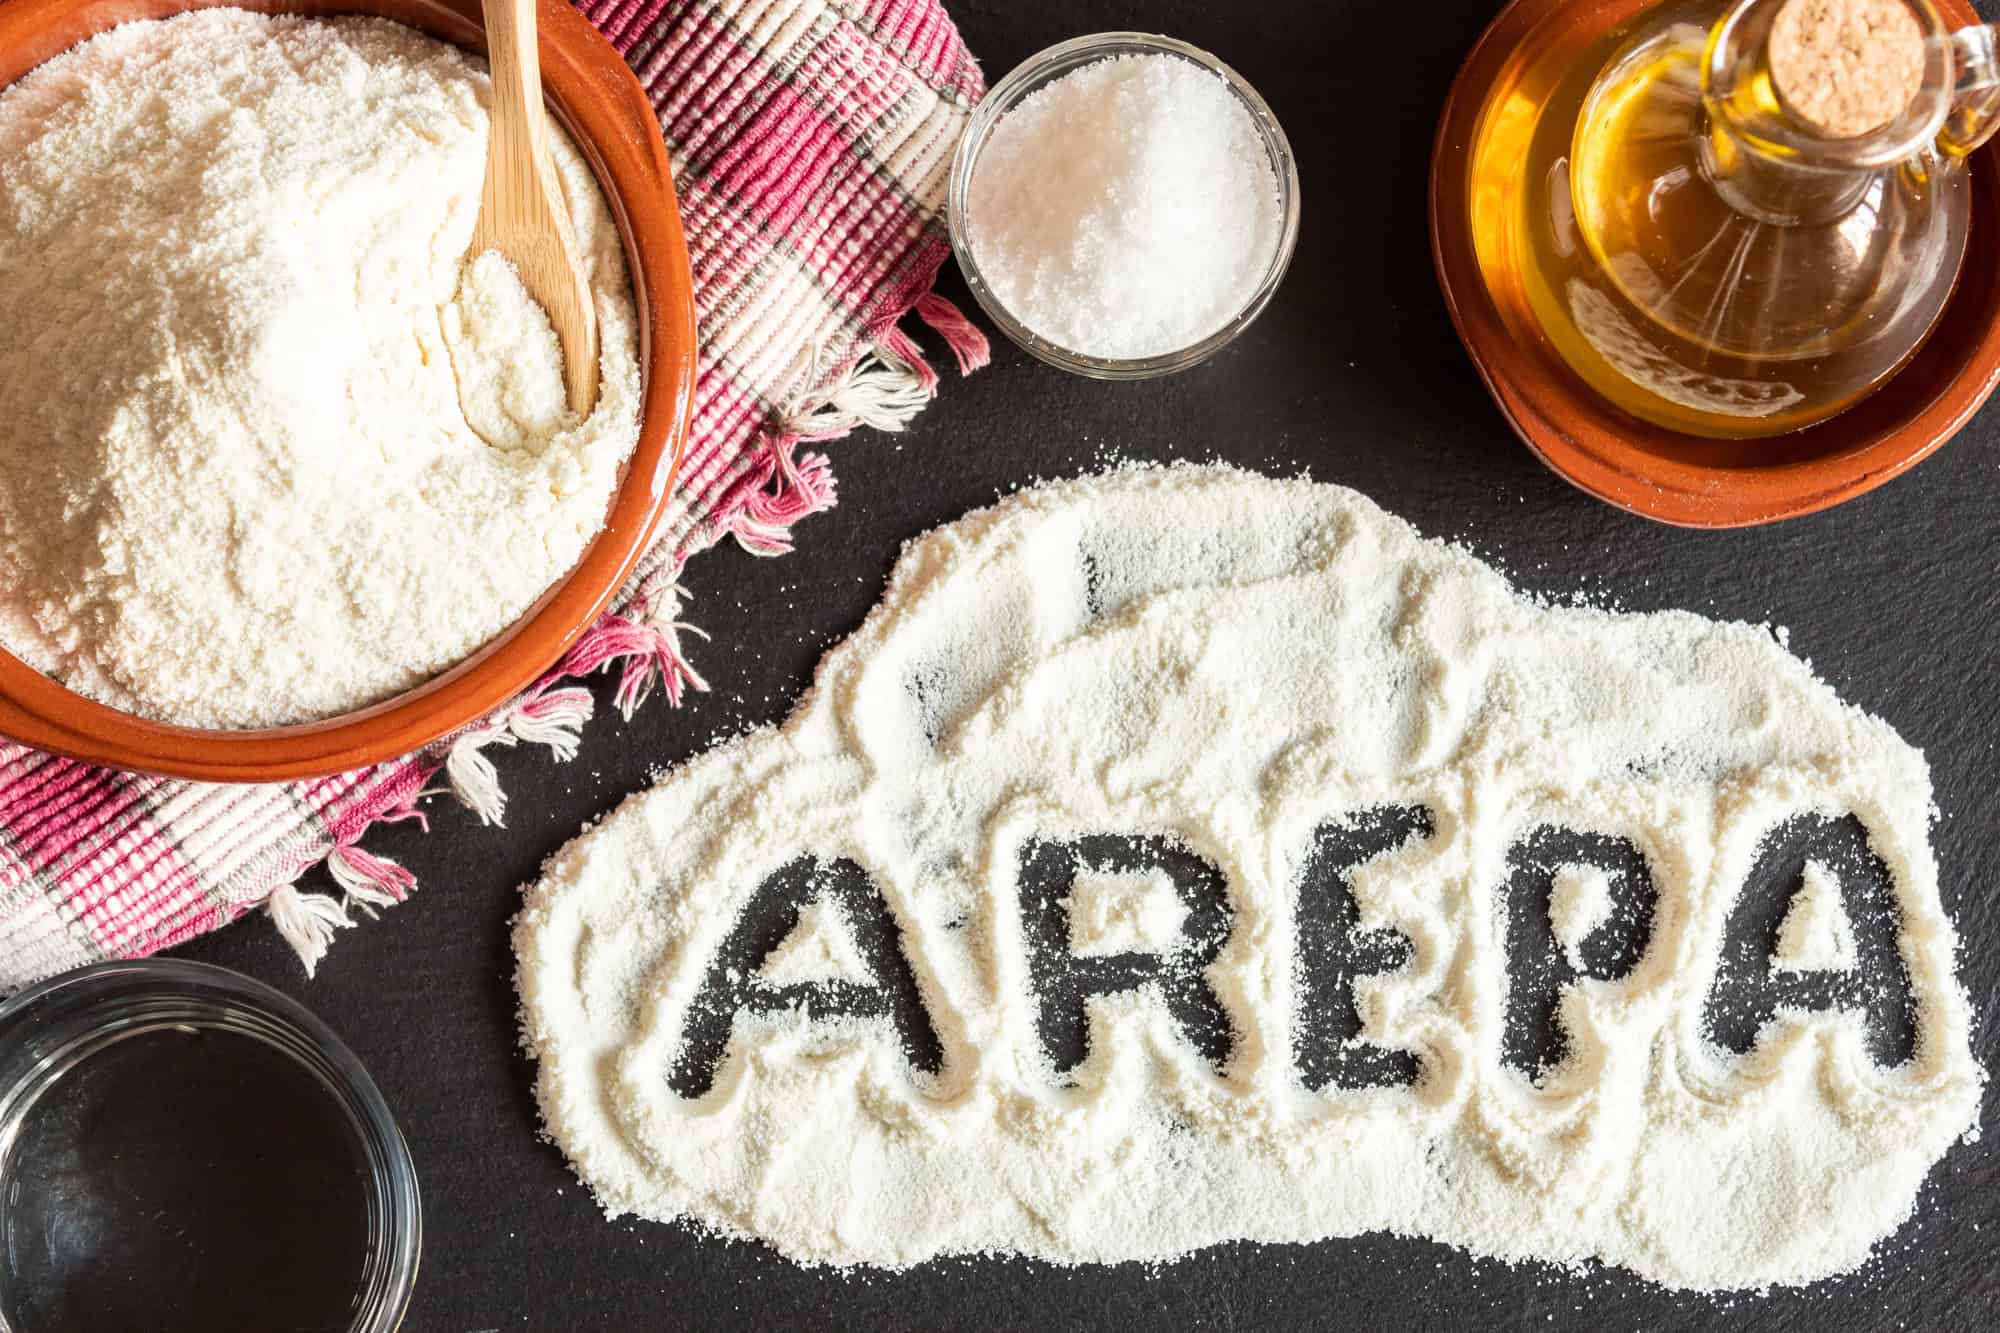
1685 479
604 109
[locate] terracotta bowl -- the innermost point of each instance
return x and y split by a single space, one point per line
1662 474
600 103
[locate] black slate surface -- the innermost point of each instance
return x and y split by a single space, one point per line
1353 374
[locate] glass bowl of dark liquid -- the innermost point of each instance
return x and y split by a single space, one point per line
185 1148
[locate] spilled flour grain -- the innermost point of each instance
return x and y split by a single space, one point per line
1478 904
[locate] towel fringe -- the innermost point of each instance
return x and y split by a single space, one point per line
799 487
884 388
306 921
554 718
549 717
406 808
647 640
369 881
897 348
968 345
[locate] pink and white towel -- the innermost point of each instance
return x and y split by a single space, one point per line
811 140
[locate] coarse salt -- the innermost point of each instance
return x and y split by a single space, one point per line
1127 210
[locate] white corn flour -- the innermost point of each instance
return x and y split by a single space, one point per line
1230 664
819 948
269 449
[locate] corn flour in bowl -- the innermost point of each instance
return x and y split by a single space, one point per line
271 450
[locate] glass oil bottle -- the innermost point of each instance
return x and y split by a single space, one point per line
1648 202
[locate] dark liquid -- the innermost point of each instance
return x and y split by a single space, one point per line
184 1179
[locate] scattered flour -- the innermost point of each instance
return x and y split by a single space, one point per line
271 451
1114 912
1579 903
1232 662
820 948
1815 935
1126 210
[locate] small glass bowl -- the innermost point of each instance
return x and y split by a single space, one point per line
1045 68
51 1032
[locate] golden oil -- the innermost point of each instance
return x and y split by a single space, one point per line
1700 276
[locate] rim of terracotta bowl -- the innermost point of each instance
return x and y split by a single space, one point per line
1683 479
599 101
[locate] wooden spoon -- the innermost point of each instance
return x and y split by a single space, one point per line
523 212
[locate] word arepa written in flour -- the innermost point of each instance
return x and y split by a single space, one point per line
1104 915
1178 856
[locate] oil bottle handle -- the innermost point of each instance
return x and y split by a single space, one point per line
1975 90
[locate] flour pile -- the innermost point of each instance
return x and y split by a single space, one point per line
1222 673
269 450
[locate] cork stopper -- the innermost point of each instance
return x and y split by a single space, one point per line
1846 67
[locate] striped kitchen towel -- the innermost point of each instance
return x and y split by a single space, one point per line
811 141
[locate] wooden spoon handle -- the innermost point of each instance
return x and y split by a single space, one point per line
514 53
523 213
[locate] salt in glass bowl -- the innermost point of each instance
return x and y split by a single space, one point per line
1044 68
56 1036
